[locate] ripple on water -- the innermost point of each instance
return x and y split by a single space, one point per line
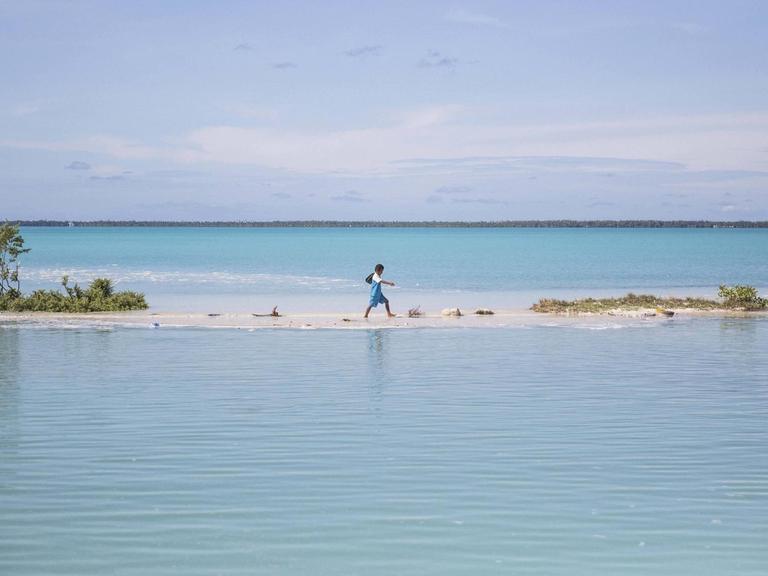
533 451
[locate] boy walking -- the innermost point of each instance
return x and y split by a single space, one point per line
376 296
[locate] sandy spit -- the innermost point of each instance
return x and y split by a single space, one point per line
338 320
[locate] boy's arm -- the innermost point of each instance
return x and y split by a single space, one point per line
387 282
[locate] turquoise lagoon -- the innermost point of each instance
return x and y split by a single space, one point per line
315 269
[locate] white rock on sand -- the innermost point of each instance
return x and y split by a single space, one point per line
451 312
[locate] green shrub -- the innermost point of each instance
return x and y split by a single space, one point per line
101 288
98 297
740 296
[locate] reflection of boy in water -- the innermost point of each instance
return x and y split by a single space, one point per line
376 296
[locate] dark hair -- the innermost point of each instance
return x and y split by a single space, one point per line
379 267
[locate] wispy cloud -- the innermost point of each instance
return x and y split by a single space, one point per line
350 196
109 173
694 182
243 47
444 147
111 177
434 115
524 164
367 50
466 17
453 190
287 65
435 59
281 195
78 165
480 200
459 195
175 174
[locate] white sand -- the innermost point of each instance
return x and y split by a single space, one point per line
344 320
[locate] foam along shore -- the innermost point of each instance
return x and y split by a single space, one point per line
344 320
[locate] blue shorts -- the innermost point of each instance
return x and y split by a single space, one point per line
376 296
382 300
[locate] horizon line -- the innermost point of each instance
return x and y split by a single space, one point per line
529 223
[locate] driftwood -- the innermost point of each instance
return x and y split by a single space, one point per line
274 314
415 312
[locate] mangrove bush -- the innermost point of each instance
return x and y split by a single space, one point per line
740 296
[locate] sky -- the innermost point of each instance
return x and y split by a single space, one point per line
483 110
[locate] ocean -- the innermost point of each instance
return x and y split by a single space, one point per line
571 448
315 269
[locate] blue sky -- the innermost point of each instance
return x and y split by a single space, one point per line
383 110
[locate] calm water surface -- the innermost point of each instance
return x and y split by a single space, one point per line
546 450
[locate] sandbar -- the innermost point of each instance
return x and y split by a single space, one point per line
352 320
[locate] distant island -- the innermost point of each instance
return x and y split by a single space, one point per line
399 224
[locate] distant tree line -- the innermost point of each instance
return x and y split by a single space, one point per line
401 224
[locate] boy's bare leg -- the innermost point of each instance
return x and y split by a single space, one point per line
367 310
389 312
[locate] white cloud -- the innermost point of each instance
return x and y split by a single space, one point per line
466 17
446 133
700 143
431 116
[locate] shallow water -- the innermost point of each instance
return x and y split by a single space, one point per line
323 269
545 450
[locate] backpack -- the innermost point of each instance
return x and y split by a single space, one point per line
369 278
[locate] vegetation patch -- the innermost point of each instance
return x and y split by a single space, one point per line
732 298
744 297
100 296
